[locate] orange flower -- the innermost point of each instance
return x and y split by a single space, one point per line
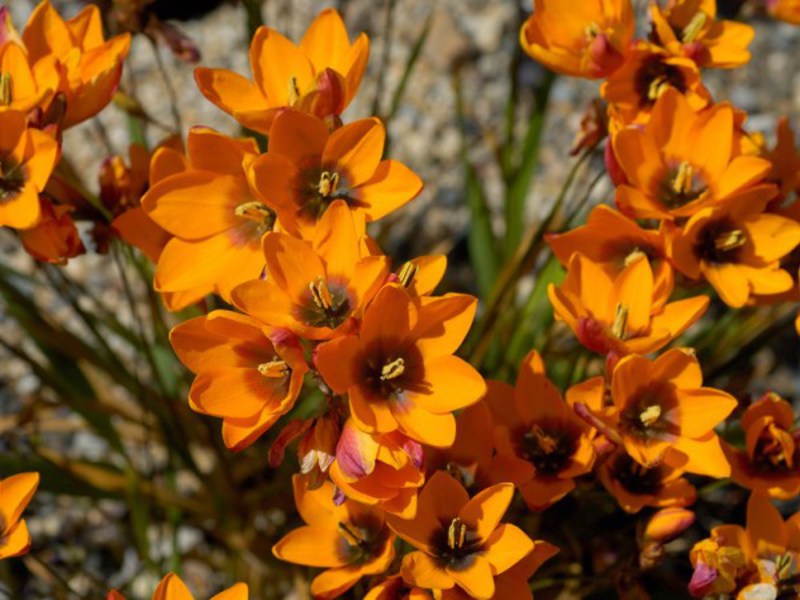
27 157
659 406
582 38
75 53
223 248
785 10
613 241
320 76
243 377
384 470
420 276
19 88
770 462
682 160
54 239
689 28
399 371
543 445
622 314
785 161
173 588
307 168
315 289
460 541
647 73
16 492
350 540
764 555
635 486
737 248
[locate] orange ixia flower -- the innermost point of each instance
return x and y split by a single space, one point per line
16 492
635 486
320 76
460 541
770 462
384 470
613 241
737 248
543 445
173 588
75 53
760 558
583 38
318 288
785 10
399 371
682 160
307 169
648 72
27 158
223 248
243 377
621 314
348 539
689 28
785 160
659 407
55 238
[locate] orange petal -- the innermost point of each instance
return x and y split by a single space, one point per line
476 579
505 547
423 571
311 546
448 383
483 512
391 186
16 492
356 149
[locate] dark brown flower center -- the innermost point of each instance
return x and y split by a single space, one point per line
12 179
635 478
548 448
645 415
455 544
326 304
720 242
363 541
682 185
654 76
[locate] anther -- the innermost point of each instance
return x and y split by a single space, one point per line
407 274
619 327
348 534
393 370
546 443
682 183
294 91
650 415
633 256
657 87
328 184
5 89
255 211
274 369
591 31
456 534
321 294
730 240
694 27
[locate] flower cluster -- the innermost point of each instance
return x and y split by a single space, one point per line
409 459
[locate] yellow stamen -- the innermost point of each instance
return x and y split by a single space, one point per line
633 256
393 370
546 443
657 87
682 182
591 31
321 294
294 91
274 369
328 184
620 326
730 240
348 534
650 415
255 211
456 534
694 27
5 89
407 273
